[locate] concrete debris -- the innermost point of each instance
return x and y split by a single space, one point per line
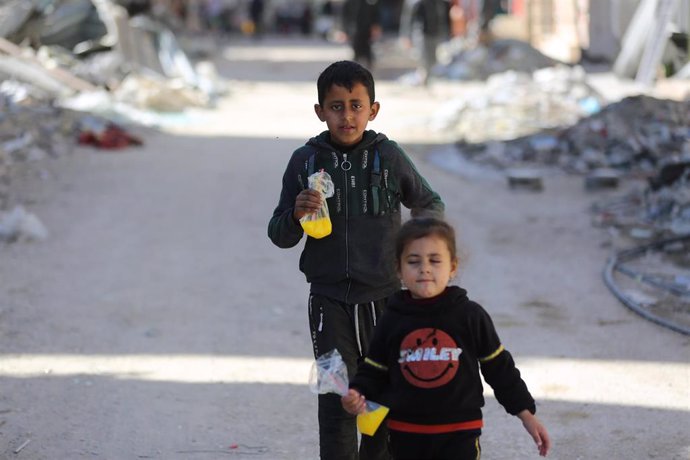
660 210
85 44
649 270
634 135
525 179
482 61
73 71
515 104
637 134
159 94
601 179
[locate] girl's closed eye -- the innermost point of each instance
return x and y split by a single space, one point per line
413 262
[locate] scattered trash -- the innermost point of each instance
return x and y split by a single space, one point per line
525 179
602 179
18 224
105 134
22 446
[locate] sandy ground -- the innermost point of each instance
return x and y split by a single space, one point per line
158 321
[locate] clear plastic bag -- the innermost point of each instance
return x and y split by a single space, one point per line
329 375
318 225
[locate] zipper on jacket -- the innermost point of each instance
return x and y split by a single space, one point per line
345 166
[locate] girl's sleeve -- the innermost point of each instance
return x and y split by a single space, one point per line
498 367
283 230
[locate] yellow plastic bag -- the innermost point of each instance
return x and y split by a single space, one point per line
318 225
317 228
368 422
329 375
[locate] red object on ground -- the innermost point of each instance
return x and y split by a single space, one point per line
112 137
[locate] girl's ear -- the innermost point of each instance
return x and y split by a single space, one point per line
375 107
319 112
453 268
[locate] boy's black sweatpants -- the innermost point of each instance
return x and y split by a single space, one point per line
347 328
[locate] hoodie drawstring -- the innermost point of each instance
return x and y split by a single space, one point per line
359 340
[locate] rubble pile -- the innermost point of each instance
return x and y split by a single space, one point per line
659 210
516 104
649 270
30 129
74 71
639 133
635 135
482 61
523 124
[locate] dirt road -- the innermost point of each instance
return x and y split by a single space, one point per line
157 321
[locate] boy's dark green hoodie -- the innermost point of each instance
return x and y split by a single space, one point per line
355 263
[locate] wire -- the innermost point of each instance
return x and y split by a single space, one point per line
621 256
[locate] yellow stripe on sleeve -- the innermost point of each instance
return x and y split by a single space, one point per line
376 365
498 351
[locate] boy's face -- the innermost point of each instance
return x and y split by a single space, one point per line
347 113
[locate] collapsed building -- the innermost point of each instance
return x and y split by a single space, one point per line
77 71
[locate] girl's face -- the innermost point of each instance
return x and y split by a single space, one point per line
427 266
347 113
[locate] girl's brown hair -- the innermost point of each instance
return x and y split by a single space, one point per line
420 227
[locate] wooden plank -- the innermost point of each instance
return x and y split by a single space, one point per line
58 73
654 48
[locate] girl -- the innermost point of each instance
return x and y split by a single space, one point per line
426 354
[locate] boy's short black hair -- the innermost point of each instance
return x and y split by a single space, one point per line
345 74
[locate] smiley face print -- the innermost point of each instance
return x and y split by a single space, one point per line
429 358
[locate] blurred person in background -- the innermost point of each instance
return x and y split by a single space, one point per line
362 25
432 18
256 14
490 9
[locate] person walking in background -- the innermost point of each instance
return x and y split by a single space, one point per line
425 357
213 13
490 9
256 15
433 18
362 25
351 271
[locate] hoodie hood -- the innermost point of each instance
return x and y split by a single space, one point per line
369 138
402 303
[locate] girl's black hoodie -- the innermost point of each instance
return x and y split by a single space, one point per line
424 362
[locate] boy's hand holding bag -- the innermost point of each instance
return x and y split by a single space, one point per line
318 224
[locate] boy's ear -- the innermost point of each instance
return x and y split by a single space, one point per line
375 107
319 112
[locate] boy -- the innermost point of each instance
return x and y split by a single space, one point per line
352 270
